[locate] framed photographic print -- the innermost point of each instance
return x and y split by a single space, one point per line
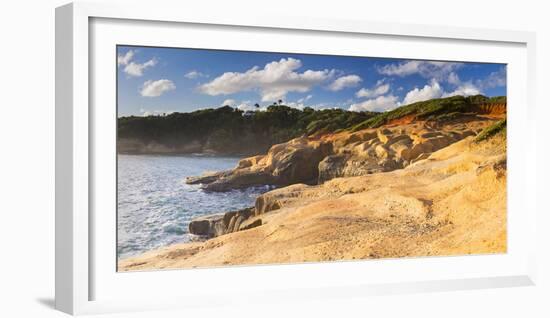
299 159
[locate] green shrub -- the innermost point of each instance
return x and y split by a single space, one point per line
494 129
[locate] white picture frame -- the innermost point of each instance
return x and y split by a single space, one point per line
76 268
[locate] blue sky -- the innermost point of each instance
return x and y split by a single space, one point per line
163 80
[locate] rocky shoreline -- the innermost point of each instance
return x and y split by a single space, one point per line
452 203
422 187
315 160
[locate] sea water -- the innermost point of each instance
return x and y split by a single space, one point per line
155 205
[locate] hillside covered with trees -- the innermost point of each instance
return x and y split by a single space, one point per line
227 130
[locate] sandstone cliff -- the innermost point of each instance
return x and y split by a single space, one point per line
319 158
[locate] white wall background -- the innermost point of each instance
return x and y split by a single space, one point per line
27 158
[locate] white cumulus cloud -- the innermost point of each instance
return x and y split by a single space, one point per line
380 88
246 107
124 59
461 88
133 68
146 113
156 88
426 69
229 102
378 104
464 89
429 91
344 82
434 90
274 81
194 74
136 69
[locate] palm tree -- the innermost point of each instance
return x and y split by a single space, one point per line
280 101
257 105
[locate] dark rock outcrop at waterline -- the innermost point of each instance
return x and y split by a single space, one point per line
224 223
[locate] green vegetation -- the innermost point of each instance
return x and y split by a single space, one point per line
434 109
494 129
228 130
497 100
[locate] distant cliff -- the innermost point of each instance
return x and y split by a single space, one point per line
226 130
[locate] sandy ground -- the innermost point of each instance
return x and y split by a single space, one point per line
452 203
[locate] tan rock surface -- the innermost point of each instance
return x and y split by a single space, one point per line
316 159
453 202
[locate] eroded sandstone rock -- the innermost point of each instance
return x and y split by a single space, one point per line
210 226
332 167
222 223
317 159
293 162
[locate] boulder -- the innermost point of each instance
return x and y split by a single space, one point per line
300 165
219 224
210 226
293 162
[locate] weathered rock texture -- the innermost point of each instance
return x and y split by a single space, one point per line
224 223
317 159
293 162
451 203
